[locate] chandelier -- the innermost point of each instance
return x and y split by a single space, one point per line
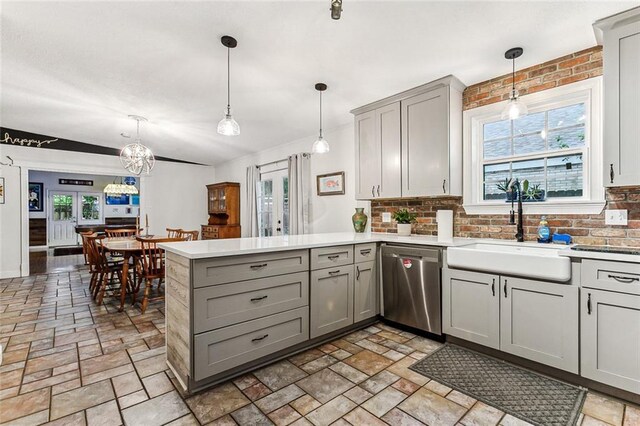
135 157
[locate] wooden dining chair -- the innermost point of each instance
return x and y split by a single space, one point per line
85 248
115 233
106 270
188 235
152 266
174 232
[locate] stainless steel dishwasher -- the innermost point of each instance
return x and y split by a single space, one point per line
411 286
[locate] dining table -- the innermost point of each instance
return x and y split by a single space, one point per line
130 249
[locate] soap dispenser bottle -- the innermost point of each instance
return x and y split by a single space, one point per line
544 235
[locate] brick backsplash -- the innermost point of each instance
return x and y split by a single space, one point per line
585 229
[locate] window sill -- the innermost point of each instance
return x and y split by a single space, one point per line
546 207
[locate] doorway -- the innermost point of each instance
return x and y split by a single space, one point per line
67 209
272 196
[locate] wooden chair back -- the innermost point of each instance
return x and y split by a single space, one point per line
114 233
96 254
174 232
189 235
152 258
85 247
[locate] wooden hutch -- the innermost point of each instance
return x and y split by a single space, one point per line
223 204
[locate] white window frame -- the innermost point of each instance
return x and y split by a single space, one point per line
592 201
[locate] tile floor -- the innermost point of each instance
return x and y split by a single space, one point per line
70 362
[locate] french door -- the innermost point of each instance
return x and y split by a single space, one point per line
272 196
68 209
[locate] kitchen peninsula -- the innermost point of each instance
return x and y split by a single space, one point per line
233 305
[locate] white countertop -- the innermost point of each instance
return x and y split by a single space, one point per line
238 246
615 257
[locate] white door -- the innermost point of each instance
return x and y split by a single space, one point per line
90 207
471 306
62 218
539 321
425 144
610 338
272 195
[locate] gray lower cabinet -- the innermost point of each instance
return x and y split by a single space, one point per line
223 349
471 306
610 338
539 321
365 303
331 299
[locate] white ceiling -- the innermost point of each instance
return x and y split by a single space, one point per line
76 69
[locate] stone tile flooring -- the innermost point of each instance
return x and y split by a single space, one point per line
70 362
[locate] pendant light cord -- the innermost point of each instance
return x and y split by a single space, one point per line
137 130
320 114
228 79
513 76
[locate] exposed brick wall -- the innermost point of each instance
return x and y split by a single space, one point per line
586 229
558 72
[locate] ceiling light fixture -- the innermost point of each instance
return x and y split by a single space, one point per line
320 146
336 9
515 107
120 188
228 126
135 157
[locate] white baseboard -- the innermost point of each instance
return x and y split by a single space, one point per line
38 248
10 274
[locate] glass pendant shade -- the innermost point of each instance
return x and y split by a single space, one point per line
320 146
515 108
228 126
119 188
135 157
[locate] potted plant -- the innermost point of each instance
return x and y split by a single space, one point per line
404 218
504 187
532 192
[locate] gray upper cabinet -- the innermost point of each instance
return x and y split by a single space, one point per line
410 144
620 35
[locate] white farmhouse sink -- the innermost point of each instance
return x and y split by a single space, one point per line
519 259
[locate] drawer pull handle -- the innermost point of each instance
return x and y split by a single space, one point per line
260 266
589 304
365 252
333 257
257 339
622 279
257 299
337 271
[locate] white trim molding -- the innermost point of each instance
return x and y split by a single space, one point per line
593 200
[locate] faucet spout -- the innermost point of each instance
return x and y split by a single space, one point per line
515 185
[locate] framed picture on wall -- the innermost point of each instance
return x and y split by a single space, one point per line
1 190
36 198
331 183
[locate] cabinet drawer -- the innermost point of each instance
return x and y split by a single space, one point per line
328 257
209 235
221 350
242 268
365 252
614 276
227 304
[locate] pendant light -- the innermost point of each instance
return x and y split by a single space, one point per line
228 126
135 157
320 146
120 188
515 107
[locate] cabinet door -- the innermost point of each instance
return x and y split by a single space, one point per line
470 306
622 105
539 321
366 291
331 299
425 144
388 139
367 156
610 336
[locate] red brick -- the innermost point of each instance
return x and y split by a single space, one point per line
574 61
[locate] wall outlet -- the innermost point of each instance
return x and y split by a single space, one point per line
615 217
386 217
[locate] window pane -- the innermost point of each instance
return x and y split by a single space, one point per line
285 205
497 130
493 175
497 148
528 124
566 116
566 138
528 144
90 207
264 195
531 170
564 176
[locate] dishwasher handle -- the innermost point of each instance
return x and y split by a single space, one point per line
411 257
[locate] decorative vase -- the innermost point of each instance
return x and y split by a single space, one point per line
359 220
404 229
